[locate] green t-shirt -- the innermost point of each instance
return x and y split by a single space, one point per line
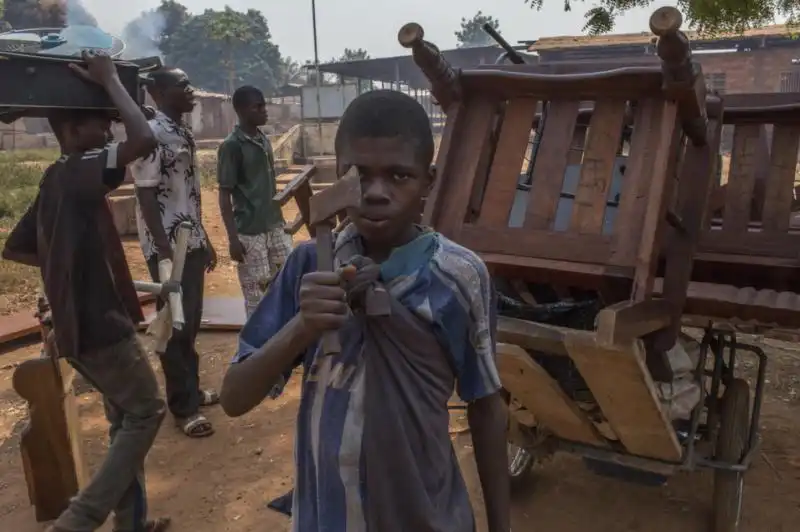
246 167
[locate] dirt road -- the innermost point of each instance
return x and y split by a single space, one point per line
222 484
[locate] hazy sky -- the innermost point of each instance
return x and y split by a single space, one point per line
373 24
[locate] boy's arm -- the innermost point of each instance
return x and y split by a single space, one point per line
104 170
147 177
479 386
21 245
271 341
228 165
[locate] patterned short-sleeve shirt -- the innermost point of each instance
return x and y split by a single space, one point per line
172 170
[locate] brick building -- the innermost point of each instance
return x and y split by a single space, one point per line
759 60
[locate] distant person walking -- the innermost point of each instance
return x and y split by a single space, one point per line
253 221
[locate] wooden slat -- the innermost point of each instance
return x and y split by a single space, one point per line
591 195
741 178
636 184
537 391
780 183
624 390
461 167
664 139
560 246
624 322
514 140
443 162
550 164
697 178
753 243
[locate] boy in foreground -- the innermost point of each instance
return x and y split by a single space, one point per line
373 451
253 220
69 233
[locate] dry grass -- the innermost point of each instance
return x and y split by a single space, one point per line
20 173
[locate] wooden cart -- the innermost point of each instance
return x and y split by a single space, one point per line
613 234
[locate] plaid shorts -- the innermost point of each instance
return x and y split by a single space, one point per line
264 256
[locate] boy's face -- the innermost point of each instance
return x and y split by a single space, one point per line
90 134
393 183
254 113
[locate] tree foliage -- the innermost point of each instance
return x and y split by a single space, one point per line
707 16
220 49
472 34
358 54
21 14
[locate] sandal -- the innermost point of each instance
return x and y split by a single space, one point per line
196 426
208 398
158 525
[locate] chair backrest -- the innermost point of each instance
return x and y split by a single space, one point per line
609 228
755 226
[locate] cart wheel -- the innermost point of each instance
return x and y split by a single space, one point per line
731 445
520 464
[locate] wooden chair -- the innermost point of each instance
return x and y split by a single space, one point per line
594 236
299 189
747 262
52 455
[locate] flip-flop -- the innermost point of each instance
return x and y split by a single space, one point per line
160 524
196 426
208 398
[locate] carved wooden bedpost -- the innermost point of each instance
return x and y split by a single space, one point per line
443 77
683 79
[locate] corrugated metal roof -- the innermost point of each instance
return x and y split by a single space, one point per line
644 38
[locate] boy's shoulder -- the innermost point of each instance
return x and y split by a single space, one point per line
460 262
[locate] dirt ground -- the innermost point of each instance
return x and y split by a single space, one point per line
222 484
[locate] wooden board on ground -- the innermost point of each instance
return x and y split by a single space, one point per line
537 391
25 323
219 314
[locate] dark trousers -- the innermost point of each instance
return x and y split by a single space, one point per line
180 361
134 410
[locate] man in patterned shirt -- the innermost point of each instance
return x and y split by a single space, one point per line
253 220
373 451
168 193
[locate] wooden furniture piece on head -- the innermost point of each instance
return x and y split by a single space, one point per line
624 225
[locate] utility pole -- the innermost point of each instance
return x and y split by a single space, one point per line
318 74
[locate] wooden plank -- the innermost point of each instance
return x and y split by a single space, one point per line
622 323
754 243
444 160
514 140
697 178
664 138
635 186
536 336
780 183
741 178
591 195
624 390
463 163
550 164
591 249
23 324
537 391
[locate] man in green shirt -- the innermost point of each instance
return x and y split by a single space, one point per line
246 175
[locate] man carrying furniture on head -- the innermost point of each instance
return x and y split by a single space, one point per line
253 221
69 233
168 193
373 450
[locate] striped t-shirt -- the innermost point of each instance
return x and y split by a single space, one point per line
372 447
